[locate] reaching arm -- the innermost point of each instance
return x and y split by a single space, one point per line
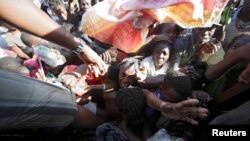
152 82
240 54
25 15
183 110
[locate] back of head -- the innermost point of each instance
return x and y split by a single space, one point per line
180 82
12 65
131 102
54 4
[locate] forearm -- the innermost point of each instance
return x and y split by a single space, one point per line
153 101
25 15
152 82
220 68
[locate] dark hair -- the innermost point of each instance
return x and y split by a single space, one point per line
180 82
12 65
54 4
161 27
131 102
127 62
165 44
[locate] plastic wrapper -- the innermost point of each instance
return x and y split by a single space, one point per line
124 23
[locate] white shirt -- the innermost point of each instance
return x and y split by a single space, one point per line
148 63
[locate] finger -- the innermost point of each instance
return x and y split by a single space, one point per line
109 58
190 120
70 82
38 76
102 56
187 103
83 101
96 71
105 58
102 67
194 111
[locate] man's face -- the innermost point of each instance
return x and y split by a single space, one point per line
160 56
85 4
203 35
61 12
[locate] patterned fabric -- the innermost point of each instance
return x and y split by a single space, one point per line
123 24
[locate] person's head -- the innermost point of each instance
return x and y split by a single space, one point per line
203 35
238 41
127 72
169 29
12 65
85 5
176 87
131 103
58 7
161 53
233 3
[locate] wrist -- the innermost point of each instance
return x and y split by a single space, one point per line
165 107
81 47
78 75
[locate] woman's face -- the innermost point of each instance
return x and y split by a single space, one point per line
160 56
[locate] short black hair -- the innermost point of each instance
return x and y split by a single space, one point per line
163 43
131 102
54 4
180 82
11 64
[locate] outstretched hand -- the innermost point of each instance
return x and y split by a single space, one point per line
184 111
90 57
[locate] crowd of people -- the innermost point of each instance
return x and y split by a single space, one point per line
53 75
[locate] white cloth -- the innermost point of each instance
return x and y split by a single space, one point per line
148 63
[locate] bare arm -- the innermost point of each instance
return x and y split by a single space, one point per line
240 54
152 82
183 110
220 68
25 15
